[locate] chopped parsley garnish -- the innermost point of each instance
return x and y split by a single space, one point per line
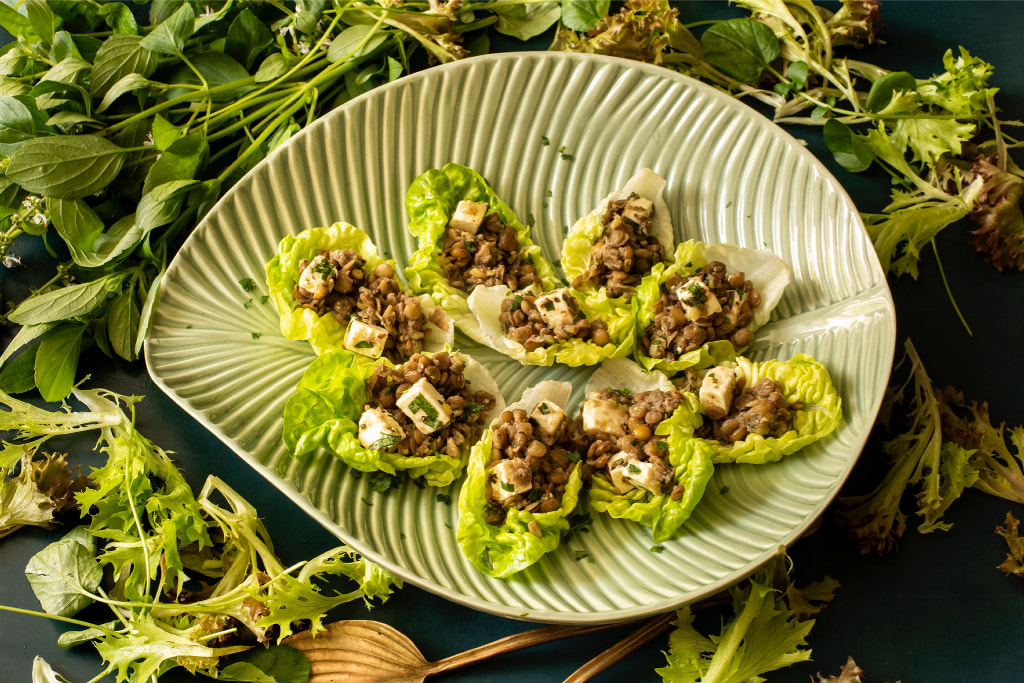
662 444
549 305
630 222
248 284
657 548
247 304
582 555
533 495
264 299
530 220
543 408
724 490
257 335
472 408
632 469
485 558
420 404
470 246
516 301
385 442
324 269
367 501
444 498
547 193
432 422
544 140
507 487
573 456
382 481
697 294
363 344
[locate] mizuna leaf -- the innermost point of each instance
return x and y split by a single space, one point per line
66 166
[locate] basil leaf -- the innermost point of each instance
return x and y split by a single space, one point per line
123 325
129 83
17 123
66 166
78 225
247 38
57 360
42 19
883 89
583 15
272 67
180 160
169 37
278 664
119 17
848 149
61 574
67 302
218 69
119 55
147 308
740 48
25 335
162 204
347 44
18 376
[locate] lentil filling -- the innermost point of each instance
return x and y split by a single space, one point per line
540 321
761 409
490 256
625 251
446 373
711 304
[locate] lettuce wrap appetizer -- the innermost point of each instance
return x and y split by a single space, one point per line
607 252
538 328
468 237
758 412
704 307
640 428
421 417
330 287
522 482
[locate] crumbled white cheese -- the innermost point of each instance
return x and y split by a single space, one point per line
313 279
716 391
548 417
378 430
468 216
638 210
697 300
511 477
604 415
425 407
364 338
627 472
554 309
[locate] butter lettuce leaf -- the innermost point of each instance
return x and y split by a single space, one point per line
324 412
430 202
804 380
585 232
325 332
485 304
501 551
768 272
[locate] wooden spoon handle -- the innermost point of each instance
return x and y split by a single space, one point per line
519 641
622 648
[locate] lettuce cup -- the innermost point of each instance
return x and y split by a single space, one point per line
703 307
639 426
420 417
467 238
609 251
331 288
522 483
542 328
758 412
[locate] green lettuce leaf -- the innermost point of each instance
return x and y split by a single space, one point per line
485 304
804 380
324 332
768 272
587 230
693 464
501 551
324 412
430 202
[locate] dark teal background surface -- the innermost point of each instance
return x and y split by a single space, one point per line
936 610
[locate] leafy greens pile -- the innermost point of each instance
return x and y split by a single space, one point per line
940 138
121 136
194 580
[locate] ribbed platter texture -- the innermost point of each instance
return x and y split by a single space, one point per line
553 133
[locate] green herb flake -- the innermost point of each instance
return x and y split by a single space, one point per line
506 487
724 490
657 548
544 140
364 344
549 305
472 408
470 246
543 408
632 469
444 498
573 456
247 284
485 559
385 442
257 335
420 404
366 501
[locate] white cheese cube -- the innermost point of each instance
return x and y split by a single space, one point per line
511 477
716 392
554 309
468 216
533 289
548 417
604 415
697 300
425 407
638 210
364 338
378 430
733 302
616 467
317 279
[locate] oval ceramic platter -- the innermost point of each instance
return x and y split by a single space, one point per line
553 133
